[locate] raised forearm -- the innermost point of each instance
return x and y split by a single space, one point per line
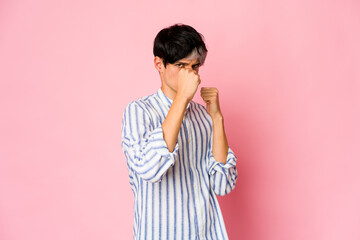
220 144
188 82
172 123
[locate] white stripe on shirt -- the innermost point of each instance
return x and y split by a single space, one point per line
174 192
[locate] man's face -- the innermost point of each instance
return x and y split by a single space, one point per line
169 75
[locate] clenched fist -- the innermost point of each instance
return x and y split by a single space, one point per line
211 98
188 82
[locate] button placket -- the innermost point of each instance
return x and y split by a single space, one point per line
196 184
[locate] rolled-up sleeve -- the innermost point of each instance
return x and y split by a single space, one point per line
222 176
144 146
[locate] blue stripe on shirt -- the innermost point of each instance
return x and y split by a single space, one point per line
186 206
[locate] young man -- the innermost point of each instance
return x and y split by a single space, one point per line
177 152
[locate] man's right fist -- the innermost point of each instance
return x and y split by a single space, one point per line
188 82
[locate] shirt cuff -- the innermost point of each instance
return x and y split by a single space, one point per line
216 166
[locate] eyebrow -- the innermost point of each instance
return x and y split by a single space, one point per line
184 63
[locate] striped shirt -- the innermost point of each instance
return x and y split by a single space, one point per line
174 192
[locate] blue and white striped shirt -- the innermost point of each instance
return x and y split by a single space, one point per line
174 193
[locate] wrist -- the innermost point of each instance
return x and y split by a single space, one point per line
182 99
180 102
218 117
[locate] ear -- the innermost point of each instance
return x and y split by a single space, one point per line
159 65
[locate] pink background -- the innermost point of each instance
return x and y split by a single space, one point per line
288 74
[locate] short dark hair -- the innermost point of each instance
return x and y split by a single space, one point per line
178 41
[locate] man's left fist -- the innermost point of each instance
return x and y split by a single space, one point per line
211 98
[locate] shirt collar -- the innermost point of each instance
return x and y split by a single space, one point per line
167 101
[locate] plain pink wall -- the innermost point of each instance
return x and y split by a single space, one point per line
288 74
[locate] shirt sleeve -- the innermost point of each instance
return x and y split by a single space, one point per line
144 146
223 176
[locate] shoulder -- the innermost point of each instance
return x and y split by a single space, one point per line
142 104
138 111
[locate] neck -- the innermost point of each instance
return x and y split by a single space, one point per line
170 93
